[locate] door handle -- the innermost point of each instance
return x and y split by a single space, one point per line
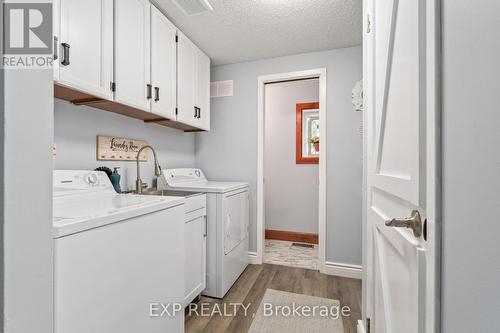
157 94
148 91
195 112
199 113
414 222
65 59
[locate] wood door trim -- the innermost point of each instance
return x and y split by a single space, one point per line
299 159
292 236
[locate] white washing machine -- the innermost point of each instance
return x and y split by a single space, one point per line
115 255
227 224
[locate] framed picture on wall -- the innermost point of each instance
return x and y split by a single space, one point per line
307 133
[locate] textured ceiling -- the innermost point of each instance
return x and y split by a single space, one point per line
244 30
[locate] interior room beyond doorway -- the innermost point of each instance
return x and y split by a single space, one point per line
291 173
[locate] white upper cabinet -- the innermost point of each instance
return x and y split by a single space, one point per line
186 79
85 52
128 52
202 101
163 65
133 53
193 82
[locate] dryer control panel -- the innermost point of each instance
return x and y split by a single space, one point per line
171 177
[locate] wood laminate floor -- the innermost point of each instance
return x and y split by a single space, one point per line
251 286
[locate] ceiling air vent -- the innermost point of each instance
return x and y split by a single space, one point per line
192 7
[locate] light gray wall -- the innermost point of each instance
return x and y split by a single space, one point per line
27 114
76 128
229 151
291 190
471 166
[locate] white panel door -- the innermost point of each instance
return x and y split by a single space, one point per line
132 54
163 65
195 248
401 166
203 90
86 46
186 81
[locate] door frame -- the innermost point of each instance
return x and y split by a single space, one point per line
261 82
433 165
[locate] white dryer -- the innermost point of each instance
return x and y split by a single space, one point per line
227 224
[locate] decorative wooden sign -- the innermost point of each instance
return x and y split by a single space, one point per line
111 148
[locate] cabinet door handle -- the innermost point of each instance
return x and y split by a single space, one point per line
65 59
195 112
157 94
148 91
56 48
199 113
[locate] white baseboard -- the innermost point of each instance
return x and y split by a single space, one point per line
330 268
361 327
252 258
343 270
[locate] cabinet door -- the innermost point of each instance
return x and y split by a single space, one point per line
195 253
86 46
132 53
186 81
203 90
163 65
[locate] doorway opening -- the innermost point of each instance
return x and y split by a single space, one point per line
291 202
291 158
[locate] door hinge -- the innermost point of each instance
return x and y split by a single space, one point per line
176 111
176 38
368 24
206 227
368 327
112 86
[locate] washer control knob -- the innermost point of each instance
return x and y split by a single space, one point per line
91 179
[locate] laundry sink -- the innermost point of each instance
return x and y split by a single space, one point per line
167 193
152 191
149 191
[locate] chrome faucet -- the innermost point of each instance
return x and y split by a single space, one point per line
138 182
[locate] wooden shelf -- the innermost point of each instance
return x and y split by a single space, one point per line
78 98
